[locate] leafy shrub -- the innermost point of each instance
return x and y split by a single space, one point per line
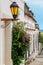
20 43
41 37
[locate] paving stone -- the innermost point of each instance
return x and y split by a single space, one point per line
38 60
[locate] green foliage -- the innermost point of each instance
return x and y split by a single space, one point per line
41 38
20 43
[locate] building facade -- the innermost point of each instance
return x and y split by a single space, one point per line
32 29
6 28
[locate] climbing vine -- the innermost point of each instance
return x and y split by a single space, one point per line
20 42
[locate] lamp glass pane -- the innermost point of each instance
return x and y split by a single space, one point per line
16 10
12 10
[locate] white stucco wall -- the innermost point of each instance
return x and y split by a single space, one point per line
34 34
21 9
4 13
8 44
36 41
5 9
5 33
5 43
2 42
30 22
31 26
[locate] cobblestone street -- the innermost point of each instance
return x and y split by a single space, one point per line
38 60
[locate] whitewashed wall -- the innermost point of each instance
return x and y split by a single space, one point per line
5 33
30 25
30 22
8 44
21 9
5 9
2 42
34 34
40 47
36 41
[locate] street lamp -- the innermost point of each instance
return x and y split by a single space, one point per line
14 9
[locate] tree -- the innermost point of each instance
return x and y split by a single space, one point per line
41 37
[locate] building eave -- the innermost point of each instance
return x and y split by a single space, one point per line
26 5
31 17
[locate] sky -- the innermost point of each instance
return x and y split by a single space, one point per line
37 8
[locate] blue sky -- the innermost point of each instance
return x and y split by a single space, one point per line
37 8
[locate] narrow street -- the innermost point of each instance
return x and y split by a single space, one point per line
38 60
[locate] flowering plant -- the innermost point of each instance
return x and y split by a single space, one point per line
20 43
